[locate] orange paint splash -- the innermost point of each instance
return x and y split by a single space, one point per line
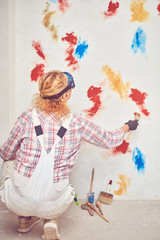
47 22
115 82
123 185
138 12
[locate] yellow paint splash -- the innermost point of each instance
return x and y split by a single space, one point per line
138 12
123 185
47 22
115 82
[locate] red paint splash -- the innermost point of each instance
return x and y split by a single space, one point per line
139 98
94 96
37 46
72 40
112 9
63 5
123 148
37 72
158 8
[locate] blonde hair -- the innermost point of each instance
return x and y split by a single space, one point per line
50 84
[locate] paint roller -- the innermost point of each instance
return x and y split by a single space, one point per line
136 117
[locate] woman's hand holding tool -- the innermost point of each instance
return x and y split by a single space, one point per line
132 124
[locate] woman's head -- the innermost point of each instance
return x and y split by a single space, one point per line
54 91
52 83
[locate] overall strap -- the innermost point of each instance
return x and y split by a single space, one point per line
39 132
61 132
37 127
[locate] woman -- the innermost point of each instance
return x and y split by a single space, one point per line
44 143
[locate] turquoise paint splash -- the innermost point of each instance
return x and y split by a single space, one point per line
139 41
81 49
53 1
139 160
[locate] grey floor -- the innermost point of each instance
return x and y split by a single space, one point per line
129 220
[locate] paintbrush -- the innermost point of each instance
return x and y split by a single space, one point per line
92 207
136 117
106 197
91 194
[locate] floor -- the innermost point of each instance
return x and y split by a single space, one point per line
129 220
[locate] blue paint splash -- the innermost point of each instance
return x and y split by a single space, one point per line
139 41
139 160
81 49
53 1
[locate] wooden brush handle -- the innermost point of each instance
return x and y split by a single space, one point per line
129 136
92 207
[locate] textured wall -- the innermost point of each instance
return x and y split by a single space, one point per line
112 50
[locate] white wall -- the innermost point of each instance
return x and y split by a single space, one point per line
7 68
109 43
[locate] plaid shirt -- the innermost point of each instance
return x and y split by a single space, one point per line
23 145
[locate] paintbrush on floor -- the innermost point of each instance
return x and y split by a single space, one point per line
106 197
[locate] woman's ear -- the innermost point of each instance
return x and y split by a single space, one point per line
67 95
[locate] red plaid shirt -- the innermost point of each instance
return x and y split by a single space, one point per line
23 145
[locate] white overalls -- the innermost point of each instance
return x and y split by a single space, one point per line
38 195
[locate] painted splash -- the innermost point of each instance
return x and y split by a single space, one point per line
72 41
75 51
139 98
158 8
115 82
139 160
122 149
37 72
93 94
123 185
63 5
112 9
139 41
39 50
53 1
48 22
81 49
138 11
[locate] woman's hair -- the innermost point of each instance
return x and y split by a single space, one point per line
50 84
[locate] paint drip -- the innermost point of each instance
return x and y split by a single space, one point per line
139 41
47 22
37 72
139 160
138 12
93 94
37 46
121 149
112 9
139 98
123 185
115 82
